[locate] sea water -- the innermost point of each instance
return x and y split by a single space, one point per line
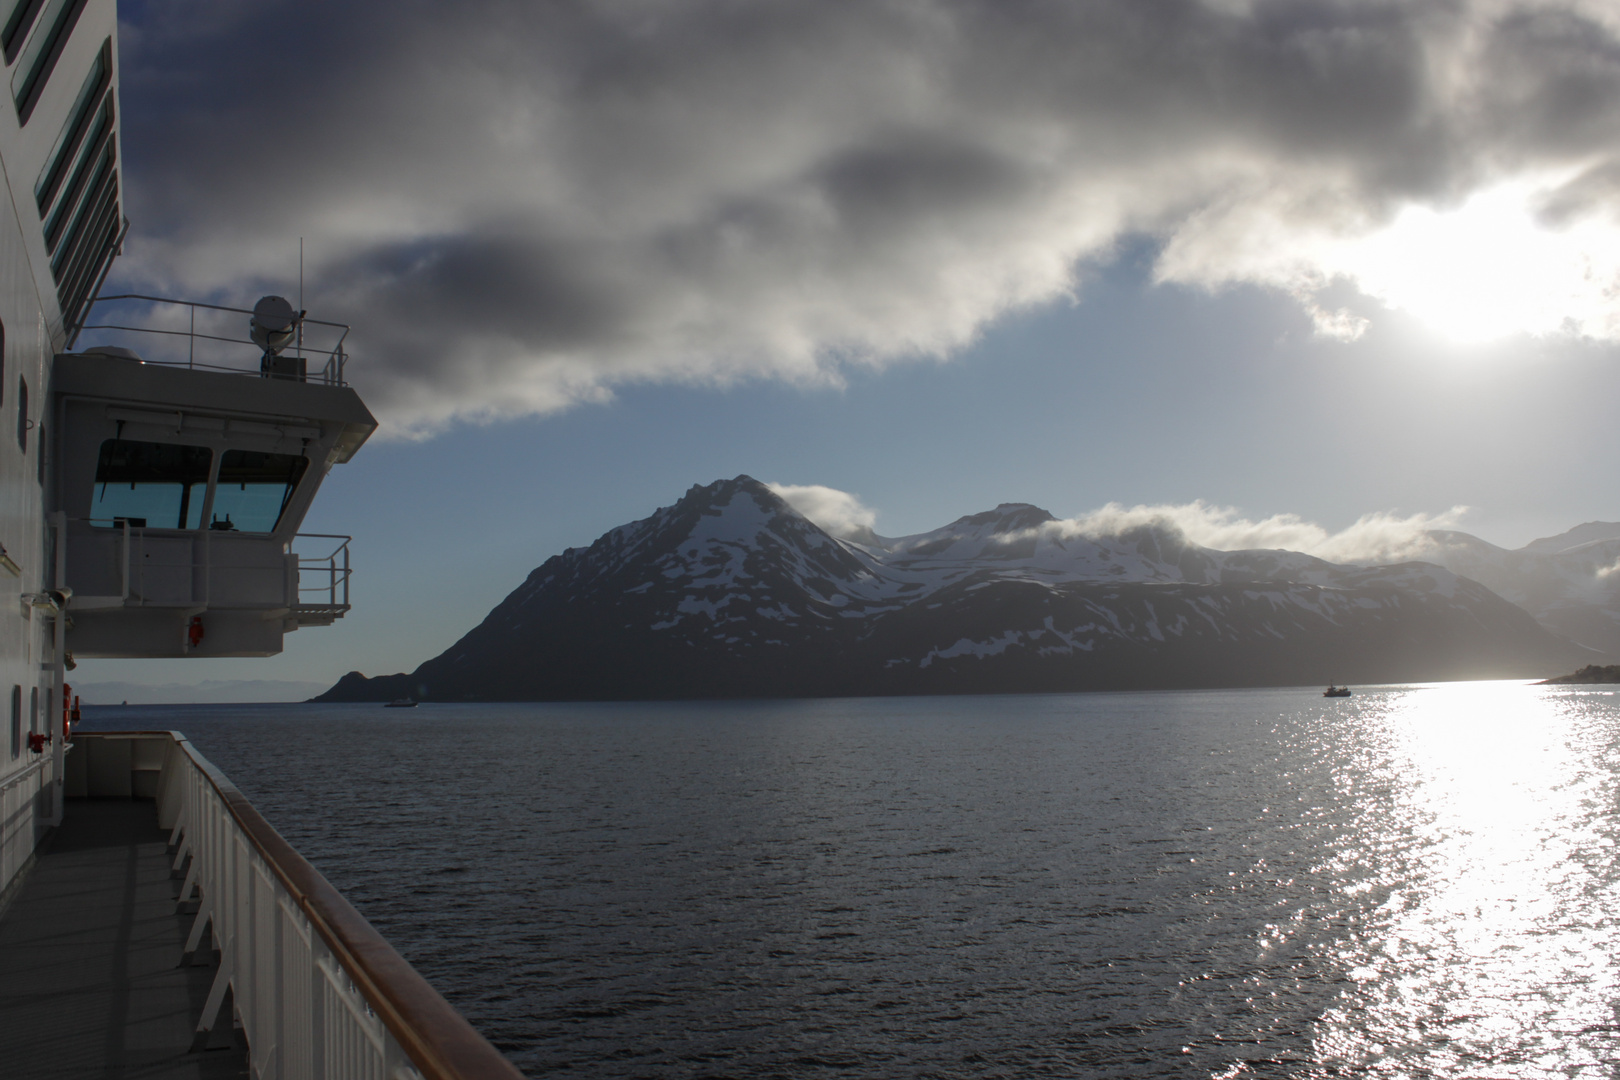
1416 881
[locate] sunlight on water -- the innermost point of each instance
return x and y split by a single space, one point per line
1495 950
1413 882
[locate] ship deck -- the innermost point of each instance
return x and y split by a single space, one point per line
90 944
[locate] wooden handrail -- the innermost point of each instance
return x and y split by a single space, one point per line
438 1040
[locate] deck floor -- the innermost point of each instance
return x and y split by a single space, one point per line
89 951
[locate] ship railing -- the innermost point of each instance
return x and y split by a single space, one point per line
318 991
316 341
24 814
329 574
321 584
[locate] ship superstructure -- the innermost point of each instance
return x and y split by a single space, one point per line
59 150
177 493
157 458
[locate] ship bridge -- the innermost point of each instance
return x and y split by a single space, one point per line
180 478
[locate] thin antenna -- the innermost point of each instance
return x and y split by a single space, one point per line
300 297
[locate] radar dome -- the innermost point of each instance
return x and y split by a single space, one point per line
271 327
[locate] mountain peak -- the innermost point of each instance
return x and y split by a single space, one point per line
1008 517
1586 533
725 488
717 497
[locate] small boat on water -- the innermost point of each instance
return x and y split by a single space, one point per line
1336 691
407 703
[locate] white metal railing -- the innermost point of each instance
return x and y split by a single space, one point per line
332 357
319 993
328 574
22 818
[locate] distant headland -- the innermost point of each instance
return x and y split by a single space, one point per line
1591 673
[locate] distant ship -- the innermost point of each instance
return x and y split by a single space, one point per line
1336 691
152 506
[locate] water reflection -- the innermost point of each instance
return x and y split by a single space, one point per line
1494 949
1412 882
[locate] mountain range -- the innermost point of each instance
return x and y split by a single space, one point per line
731 592
1569 582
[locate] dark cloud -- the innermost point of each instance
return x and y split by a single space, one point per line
521 205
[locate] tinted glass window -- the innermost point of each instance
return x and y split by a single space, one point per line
254 489
16 720
156 485
40 54
85 208
71 140
22 415
18 22
76 186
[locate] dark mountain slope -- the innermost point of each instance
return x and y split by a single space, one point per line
733 593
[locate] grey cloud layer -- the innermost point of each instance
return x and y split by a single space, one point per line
520 204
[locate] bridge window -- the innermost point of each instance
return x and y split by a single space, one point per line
254 488
156 485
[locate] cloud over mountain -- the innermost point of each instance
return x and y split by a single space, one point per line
526 205
1375 537
840 513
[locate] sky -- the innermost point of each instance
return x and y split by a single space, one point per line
1275 268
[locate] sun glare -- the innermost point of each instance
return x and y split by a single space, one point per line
1502 789
1488 269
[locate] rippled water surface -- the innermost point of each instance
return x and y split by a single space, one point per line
1411 882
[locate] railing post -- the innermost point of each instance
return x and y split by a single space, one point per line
317 1009
205 914
216 996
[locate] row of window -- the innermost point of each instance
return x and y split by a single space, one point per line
33 35
76 191
33 717
172 486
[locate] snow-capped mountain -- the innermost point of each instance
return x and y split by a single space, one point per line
1569 582
732 592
